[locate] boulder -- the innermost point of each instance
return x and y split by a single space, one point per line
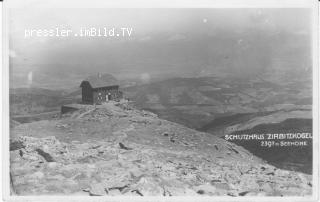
207 189
52 165
266 187
149 186
114 192
249 183
97 189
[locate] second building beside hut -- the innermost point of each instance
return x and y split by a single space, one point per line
100 88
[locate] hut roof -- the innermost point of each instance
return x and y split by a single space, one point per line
99 81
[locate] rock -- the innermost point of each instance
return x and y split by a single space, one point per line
172 139
135 173
244 193
52 165
114 192
305 183
117 182
200 191
149 186
97 189
205 189
137 192
190 192
20 153
155 166
267 188
68 172
45 155
80 177
249 193
248 182
45 148
122 146
177 189
37 175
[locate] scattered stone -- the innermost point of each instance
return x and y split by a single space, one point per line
45 155
244 193
21 153
105 168
270 173
122 146
249 183
267 188
121 187
137 192
231 194
114 192
149 186
200 192
97 189
205 189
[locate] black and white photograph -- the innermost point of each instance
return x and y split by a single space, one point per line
162 101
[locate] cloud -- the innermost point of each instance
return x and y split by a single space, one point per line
145 77
177 37
145 38
30 78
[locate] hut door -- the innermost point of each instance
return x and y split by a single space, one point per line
99 97
109 96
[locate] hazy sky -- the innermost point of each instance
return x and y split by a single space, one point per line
163 41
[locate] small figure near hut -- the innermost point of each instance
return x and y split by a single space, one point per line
100 88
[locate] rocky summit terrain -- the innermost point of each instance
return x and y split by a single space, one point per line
114 149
